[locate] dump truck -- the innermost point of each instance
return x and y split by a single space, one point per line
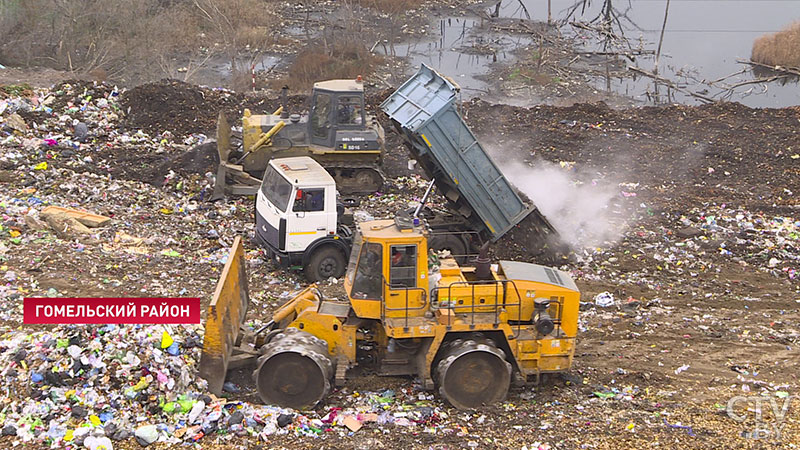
337 132
424 111
299 220
467 332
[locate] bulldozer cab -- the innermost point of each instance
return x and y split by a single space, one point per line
388 271
336 105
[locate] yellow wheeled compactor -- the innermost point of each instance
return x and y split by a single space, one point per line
469 332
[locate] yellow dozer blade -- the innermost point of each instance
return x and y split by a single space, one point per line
225 315
223 137
231 178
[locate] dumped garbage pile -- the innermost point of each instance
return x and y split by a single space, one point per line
693 302
677 152
91 386
85 385
184 109
77 124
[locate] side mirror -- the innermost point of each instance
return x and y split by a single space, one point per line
300 204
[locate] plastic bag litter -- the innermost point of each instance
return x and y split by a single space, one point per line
604 299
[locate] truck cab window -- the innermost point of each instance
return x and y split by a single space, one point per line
319 119
368 282
309 200
403 272
349 111
276 188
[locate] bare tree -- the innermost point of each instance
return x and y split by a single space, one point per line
237 25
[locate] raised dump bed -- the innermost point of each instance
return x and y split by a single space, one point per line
423 109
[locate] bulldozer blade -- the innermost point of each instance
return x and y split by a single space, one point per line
223 137
226 313
241 183
223 151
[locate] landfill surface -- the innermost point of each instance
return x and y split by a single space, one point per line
691 301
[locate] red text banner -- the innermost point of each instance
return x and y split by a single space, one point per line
87 310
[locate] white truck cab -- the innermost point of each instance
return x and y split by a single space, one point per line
298 218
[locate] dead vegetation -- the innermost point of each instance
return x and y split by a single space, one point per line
130 41
342 49
390 7
147 40
339 59
779 49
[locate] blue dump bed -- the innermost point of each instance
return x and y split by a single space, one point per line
423 109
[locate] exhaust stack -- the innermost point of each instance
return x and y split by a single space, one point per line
284 105
482 262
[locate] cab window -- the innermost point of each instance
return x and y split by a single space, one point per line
349 111
309 200
403 272
368 282
276 188
319 120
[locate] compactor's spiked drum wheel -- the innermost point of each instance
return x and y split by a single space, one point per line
472 373
294 370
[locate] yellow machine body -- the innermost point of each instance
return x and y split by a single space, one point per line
470 331
502 307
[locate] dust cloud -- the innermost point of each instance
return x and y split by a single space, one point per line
578 206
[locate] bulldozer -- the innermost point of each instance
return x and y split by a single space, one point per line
336 132
469 333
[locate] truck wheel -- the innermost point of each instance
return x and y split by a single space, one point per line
452 243
326 262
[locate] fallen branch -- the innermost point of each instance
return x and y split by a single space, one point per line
787 70
727 76
758 80
670 84
622 53
525 10
526 29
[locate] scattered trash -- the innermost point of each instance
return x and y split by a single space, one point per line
362 216
231 387
84 217
81 132
678 425
166 340
146 435
604 300
64 226
98 443
352 423
604 394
